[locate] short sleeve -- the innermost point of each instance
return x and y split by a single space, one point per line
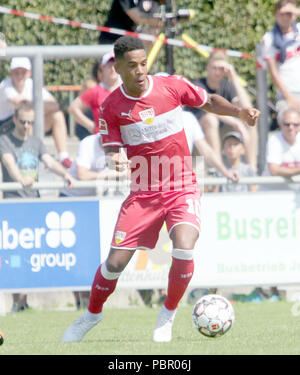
4 146
268 49
87 97
109 127
189 93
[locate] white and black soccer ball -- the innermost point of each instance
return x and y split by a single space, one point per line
213 315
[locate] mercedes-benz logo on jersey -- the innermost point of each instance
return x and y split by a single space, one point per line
60 229
147 115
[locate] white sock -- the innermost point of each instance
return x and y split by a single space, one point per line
91 316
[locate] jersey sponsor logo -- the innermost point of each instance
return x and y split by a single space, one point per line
147 115
119 236
163 125
103 126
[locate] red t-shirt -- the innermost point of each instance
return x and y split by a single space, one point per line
93 98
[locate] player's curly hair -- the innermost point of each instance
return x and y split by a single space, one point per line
126 44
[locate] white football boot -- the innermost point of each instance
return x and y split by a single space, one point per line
163 329
78 329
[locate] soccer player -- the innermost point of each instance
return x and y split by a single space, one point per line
143 115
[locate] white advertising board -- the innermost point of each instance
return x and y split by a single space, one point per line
246 239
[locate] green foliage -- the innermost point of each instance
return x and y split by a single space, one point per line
230 24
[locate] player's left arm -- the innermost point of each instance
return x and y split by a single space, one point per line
220 106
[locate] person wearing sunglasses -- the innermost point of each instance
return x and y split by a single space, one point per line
21 153
283 149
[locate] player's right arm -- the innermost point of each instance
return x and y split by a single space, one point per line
115 158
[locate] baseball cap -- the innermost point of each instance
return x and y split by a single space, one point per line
233 134
107 57
20 62
288 8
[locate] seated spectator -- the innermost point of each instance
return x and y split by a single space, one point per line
19 87
20 154
281 52
90 164
223 80
283 149
95 79
94 96
197 142
283 156
233 150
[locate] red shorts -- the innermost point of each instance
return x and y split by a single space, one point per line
143 214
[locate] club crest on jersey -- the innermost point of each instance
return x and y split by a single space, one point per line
147 115
119 236
103 126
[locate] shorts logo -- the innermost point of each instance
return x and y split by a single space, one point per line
103 126
119 236
147 115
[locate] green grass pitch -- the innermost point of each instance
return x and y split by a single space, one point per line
259 328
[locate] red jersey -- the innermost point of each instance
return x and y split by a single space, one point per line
93 98
151 129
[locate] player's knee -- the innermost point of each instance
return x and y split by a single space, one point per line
184 239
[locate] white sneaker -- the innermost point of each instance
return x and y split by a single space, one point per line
78 329
164 324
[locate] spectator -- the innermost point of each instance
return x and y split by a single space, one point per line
94 96
281 52
20 153
283 149
234 149
283 156
223 80
90 164
95 79
127 15
19 87
197 142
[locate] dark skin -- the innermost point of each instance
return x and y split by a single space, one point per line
133 71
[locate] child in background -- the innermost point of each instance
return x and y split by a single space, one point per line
233 150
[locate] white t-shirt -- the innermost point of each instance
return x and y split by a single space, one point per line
280 152
192 128
7 92
90 155
290 68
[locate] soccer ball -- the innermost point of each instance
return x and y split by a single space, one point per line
213 315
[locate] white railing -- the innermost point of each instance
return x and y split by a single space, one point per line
124 185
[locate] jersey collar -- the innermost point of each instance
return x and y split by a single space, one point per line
150 80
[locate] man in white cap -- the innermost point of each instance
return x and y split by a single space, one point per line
19 87
94 96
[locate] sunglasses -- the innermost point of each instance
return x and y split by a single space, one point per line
288 124
23 122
